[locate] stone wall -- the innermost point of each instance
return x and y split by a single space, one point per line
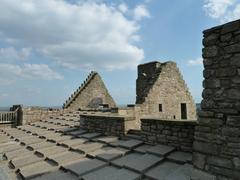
162 84
107 124
217 137
33 114
179 134
90 94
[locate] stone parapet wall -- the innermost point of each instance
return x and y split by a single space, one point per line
179 134
33 114
107 124
217 137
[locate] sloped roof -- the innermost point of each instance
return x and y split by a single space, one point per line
57 148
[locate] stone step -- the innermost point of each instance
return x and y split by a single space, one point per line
57 175
73 142
108 153
25 160
143 163
40 145
84 166
161 150
129 144
180 157
45 152
162 170
65 158
88 147
36 169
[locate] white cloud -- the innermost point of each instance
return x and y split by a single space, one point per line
195 62
223 10
123 7
10 54
79 35
9 73
140 12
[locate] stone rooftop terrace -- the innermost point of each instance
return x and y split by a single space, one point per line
57 148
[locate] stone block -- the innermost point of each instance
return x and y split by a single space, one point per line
143 163
161 150
209 52
84 166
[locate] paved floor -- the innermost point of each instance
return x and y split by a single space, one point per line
57 148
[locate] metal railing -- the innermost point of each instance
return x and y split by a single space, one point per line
8 117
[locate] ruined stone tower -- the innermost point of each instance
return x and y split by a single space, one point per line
91 94
217 137
162 92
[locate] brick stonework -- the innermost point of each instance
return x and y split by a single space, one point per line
175 133
217 138
162 83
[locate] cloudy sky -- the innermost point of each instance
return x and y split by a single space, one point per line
48 47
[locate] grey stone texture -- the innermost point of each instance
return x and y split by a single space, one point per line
179 134
162 83
217 137
90 94
107 124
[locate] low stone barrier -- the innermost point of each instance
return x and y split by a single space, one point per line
107 123
33 114
179 134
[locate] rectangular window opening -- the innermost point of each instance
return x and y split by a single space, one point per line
160 107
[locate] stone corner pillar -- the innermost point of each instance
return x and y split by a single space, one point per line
217 137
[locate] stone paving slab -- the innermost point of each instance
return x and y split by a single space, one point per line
187 172
162 170
77 132
90 135
180 157
64 158
143 148
32 140
57 175
108 153
84 166
50 150
125 159
25 160
88 147
40 145
59 138
36 169
143 163
105 173
107 139
129 144
73 142
8 148
161 150
17 153
128 175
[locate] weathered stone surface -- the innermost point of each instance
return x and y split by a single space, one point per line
90 94
143 163
181 157
64 158
161 150
88 147
25 160
108 153
50 150
36 169
209 52
162 85
84 166
125 159
57 175
73 142
40 145
162 170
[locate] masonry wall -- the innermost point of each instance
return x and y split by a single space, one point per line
179 134
94 93
217 137
162 83
33 114
107 124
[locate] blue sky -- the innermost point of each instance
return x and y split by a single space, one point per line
48 47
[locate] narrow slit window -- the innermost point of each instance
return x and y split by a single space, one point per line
160 107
